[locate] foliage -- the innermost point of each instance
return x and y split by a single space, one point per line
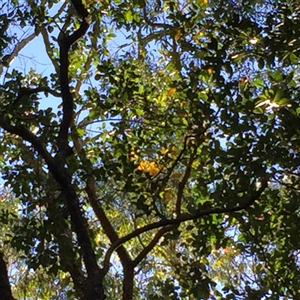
157 156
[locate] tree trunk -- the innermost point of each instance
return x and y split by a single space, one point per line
128 283
94 289
5 290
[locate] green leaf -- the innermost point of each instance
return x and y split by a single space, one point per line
128 16
293 58
258 83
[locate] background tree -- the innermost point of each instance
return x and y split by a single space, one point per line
158 156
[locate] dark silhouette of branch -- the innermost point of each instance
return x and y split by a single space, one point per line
70 261
64 180
171 169
152 24
79 225
93 288
92 196
183 182
48 48
46 37
81 10
89 60
183 218
108 228
9 58
5 290
27 92
65 43
152 244
26 135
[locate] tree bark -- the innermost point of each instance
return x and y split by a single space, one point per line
5 290
128 283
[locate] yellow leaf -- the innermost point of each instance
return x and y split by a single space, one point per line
161 100
171 91
177 35
142 166
176 175
153 169
148 167
174 149
164 151
98 238
182 104
168 195
182 113
210 70
160 73
133 155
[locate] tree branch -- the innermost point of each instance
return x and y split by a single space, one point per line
95 274
152 24
48 48
46 37
26 135
152 244
65 43
27 92
93 288
81 10
70 261
9 58
183 218
108 228
89 60
27 40
183 182
98 210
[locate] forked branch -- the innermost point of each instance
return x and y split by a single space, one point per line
183 218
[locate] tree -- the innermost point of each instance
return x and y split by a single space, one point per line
170 167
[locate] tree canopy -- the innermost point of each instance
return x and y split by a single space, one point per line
149 149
